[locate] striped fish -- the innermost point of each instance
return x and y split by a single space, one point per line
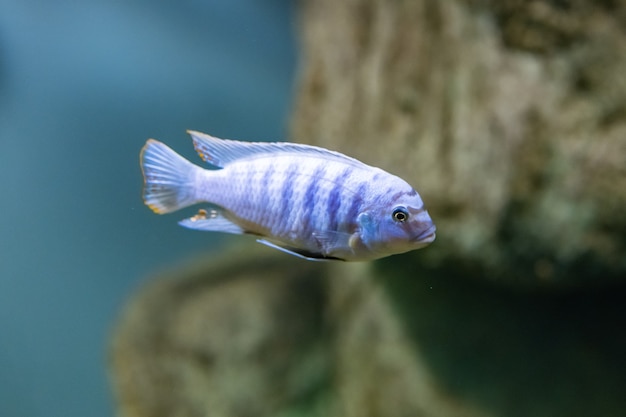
304 200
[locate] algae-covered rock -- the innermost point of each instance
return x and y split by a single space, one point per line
260 333
509 117
241 337
264 334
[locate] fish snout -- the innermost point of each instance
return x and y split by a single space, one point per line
426 228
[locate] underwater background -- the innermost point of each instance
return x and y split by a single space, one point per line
82 86
509 118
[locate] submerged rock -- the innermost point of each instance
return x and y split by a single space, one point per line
260 333
240 337
264 334
508 117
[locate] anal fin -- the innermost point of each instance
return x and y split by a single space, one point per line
212 221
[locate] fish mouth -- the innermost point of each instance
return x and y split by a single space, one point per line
426 236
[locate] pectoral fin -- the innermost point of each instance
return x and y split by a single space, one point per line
300 253
333 242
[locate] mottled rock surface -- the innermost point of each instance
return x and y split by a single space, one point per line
510 119
260 333
242 337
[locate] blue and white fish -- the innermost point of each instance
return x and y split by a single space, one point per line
301 199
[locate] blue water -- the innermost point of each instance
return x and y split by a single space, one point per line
82 86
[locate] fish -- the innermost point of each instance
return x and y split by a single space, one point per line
304 200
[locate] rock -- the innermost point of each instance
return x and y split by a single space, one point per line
270 336
509 118
277 336
242 337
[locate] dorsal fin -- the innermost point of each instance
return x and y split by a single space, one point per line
221 152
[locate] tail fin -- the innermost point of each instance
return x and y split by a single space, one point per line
168 178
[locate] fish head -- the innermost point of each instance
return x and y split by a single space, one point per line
399 224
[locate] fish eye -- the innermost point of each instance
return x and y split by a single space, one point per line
400 214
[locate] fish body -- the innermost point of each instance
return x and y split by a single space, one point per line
304 200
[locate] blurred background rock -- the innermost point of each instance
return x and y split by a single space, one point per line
509 117
82 86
